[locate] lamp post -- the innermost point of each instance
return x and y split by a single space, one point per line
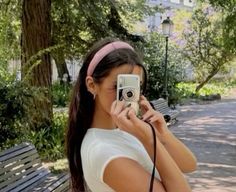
167 28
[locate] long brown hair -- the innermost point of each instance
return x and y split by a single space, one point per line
81 108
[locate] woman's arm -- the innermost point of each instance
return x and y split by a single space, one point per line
171 176
124 174
183 157
118 171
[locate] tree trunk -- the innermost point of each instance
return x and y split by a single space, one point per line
36 36
208 78
61 66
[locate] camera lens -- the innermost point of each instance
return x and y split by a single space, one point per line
129 94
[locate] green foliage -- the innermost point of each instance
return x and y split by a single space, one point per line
61 94
232 83
187 90
15 100
205 43
133 11
154 58
50 140
228 8
77 24
17 107
17 118
9 32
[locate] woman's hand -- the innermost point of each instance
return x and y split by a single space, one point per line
183 157
154 117
126 120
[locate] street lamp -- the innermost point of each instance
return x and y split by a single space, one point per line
167 28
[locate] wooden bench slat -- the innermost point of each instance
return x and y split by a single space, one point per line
26 181
11 161
56 183
20 176
14 153
10 166
21 170
16 157
61 184
63 187
14 148
30 182
161 105
34 165
51 183
44 184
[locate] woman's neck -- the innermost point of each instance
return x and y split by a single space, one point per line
103 120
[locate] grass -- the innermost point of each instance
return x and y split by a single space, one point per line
58 166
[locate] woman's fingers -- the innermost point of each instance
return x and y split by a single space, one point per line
117 107
145 105
142 97
155 118
125 119
133 118
146 116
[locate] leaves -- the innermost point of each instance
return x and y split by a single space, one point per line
228 10
154 58
205 43
16 107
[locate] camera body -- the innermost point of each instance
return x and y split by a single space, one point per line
128 89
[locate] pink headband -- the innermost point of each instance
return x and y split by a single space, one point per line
105 51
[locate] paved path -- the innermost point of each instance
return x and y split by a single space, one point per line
210 132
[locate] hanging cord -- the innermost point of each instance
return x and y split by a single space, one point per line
154 159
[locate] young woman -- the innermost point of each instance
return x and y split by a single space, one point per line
108 147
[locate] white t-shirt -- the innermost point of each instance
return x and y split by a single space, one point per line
100 146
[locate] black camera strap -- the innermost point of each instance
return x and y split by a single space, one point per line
154 158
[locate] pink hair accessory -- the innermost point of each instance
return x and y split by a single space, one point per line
105 51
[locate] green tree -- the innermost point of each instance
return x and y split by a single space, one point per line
78 24
205 44
9 32
154 53
228 9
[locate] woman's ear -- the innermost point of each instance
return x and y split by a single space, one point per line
90 84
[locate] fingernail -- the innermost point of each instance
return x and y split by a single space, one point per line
128 105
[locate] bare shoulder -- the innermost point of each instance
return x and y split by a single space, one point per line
125 174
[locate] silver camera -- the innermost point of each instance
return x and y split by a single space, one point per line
128 89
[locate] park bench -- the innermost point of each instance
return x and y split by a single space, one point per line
169 114
21 170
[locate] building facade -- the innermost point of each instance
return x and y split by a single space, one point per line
169 5
152 23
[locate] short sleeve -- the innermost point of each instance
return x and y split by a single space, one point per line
101 154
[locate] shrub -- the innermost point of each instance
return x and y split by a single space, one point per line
15 102
187 90
50 141
17 118
17 107
61 92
